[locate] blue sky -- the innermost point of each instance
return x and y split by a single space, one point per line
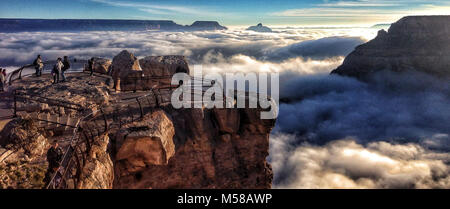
229 12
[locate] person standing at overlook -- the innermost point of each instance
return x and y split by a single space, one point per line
91 66
38 65
2 79
66 66
57 68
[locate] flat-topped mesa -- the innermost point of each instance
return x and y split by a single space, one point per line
207 25
414 43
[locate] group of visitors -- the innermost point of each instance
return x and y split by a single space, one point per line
60 67
2 79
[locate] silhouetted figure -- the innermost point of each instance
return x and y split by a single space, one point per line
2 79
38 65
54 156
91 66
57 70
66 67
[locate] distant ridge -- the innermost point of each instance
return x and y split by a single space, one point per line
33 25
413 43
383 25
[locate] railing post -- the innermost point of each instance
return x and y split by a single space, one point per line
88 143
140 107
20 73
156 98
15 104
131 113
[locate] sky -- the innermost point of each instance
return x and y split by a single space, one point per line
229 12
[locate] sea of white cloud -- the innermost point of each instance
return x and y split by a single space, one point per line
332 131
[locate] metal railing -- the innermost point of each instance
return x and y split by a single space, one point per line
96 124
29 69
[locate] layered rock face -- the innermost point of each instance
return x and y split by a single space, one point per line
144 143
98 171
419 43
195 148
22 150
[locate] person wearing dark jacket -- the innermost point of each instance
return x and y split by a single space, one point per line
54 156
91 66
66 66
2 79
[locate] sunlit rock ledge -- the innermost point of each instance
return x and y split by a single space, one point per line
166 148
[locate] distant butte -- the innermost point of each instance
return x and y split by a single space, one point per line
259 28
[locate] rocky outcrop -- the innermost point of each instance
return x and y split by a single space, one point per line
260 28
125 66
102 65
98 171
157 72
84 91
419 43
149 144
159 66
23 133
214 148
143 144
24 150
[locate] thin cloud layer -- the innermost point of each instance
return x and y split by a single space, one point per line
21 48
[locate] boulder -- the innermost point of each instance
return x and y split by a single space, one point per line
144 143
102 65
98 172
125 66
163 65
